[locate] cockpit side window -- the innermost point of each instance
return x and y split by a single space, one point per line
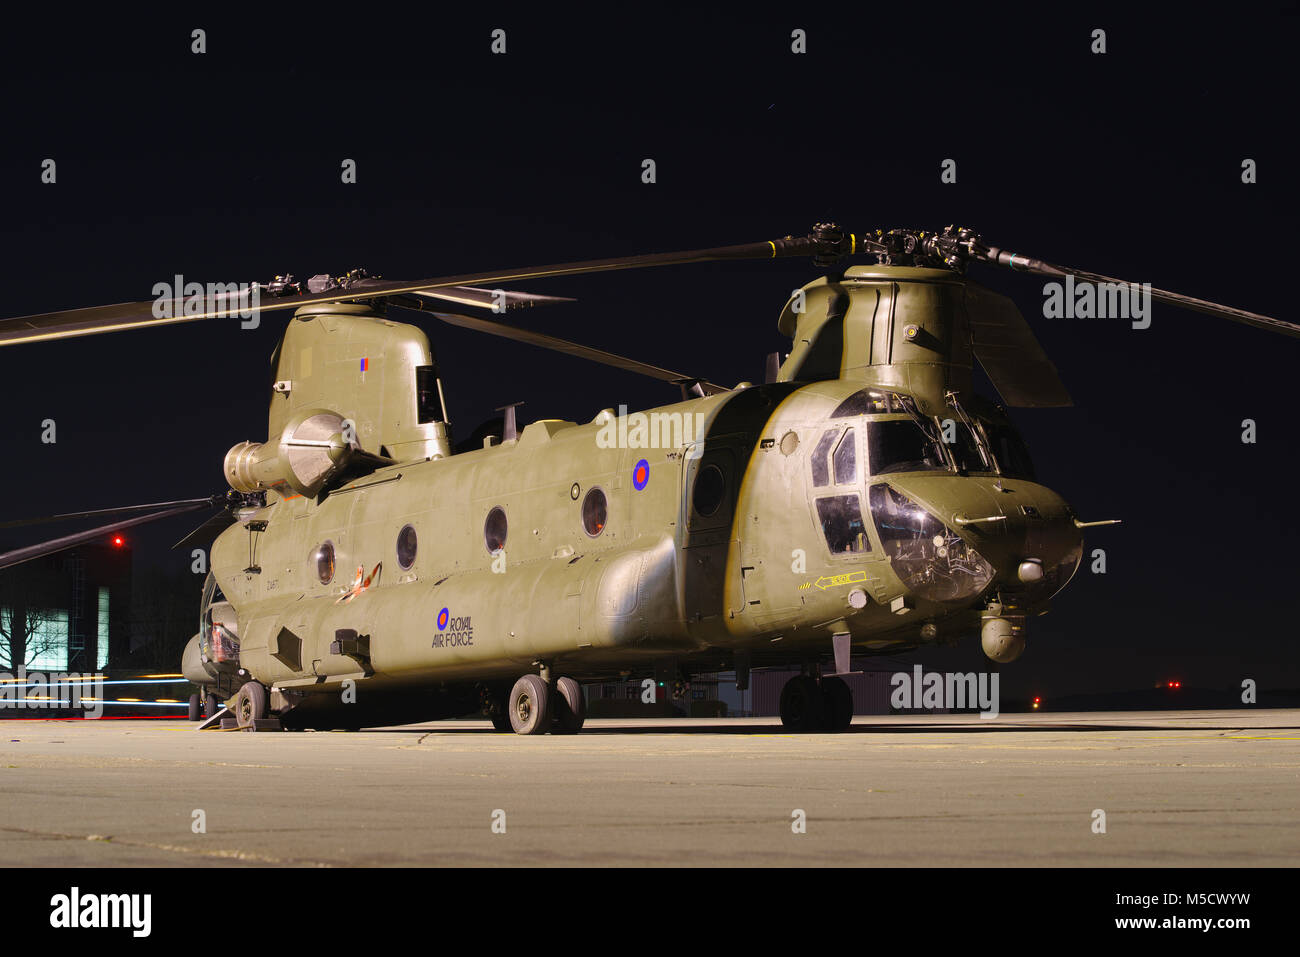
821 470
841 521
846 459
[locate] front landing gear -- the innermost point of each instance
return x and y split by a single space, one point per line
809 706
250 704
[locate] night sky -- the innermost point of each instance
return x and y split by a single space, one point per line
226 167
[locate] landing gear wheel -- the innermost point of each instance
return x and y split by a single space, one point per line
194 707
211 705
250 704
530 706
837 697
570 707
802 707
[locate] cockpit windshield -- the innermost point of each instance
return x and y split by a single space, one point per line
900 445
966 451
1009 449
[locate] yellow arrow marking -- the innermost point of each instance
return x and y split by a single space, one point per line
831 581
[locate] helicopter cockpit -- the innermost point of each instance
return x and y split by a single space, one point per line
893 438
218 627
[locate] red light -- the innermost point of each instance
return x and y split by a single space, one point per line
118 541
1037 700
1178 684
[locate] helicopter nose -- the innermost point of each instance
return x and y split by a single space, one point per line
1035 545
1024 531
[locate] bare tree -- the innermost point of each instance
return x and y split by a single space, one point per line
33 614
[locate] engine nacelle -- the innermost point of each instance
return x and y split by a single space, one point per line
314 445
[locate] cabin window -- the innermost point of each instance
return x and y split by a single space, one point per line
595 509
710 490
406 546
324 561
494 530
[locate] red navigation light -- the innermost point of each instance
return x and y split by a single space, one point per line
118 541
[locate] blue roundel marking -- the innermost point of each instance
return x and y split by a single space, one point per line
641 475
443 617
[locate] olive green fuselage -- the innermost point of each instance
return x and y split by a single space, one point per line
713 543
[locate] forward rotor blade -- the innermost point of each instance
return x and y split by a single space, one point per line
488 298
495 328
136 315
1037 267
105 512
21 555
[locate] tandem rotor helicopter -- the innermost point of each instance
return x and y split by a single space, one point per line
861 498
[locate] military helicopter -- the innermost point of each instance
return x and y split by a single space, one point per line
861 498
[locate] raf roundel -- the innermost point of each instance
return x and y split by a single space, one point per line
641 475
443 617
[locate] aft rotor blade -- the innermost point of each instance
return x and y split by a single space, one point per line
1039 268
138 315
21 555
495 328
1011 354
105 512
207 533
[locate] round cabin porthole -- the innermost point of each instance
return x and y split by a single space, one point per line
710 489
324 559
494 530
406 545
595 510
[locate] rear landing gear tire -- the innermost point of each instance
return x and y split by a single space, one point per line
837 699
211 705
803 708
250 704
194 707
570 707
530 706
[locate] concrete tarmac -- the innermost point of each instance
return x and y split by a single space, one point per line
1204 788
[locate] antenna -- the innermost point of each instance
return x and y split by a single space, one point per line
510 430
